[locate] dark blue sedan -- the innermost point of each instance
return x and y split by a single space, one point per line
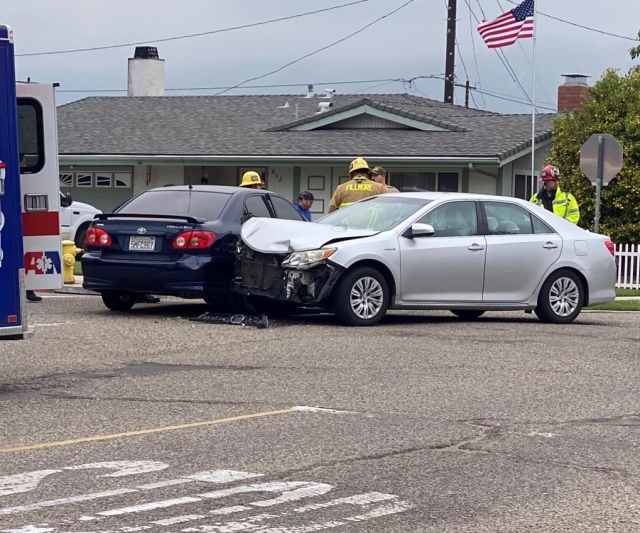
176 241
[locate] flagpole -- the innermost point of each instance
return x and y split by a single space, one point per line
533 101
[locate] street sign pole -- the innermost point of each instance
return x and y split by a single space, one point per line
599 181
601 158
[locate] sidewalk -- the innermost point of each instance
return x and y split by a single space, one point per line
75 288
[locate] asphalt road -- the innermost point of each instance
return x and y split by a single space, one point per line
147 421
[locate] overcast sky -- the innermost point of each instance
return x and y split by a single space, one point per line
409 43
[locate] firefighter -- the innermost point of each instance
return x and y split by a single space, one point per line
358 187
379 174
551 198
252 180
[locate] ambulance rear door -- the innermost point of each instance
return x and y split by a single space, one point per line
40 186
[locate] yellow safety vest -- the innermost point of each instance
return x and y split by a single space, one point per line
564 205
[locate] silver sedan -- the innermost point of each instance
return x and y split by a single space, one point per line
465 253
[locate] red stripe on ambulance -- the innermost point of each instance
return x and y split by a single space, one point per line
40 223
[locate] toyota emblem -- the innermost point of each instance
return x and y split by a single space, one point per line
142 230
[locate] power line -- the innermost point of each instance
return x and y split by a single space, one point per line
511 99
189 36
475 57
581 26
503 57
268 86
265 86
318 50
374 87
527 58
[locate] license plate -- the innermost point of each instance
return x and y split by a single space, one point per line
142 244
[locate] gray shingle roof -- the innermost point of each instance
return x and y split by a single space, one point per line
244 125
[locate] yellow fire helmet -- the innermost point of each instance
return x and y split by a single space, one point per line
359 164
251 178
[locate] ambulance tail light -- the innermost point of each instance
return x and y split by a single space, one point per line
98 237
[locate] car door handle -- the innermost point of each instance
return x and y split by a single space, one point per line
475 248
550 245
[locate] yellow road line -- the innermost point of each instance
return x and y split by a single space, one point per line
145 431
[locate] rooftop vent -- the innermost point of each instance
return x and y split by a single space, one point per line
575 79
146 52
324 107
309 91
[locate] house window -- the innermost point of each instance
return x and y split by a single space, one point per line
103 180
448 182
122 180
66 180
523 186
426 181
420 180
84 180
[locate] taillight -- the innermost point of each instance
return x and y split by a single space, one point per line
194 240
98 237
611 247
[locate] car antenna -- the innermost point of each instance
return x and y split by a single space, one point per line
184 170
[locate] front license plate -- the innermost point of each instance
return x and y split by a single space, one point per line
142 244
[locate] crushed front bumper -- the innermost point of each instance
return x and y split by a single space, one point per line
263 275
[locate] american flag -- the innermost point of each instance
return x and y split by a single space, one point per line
509 27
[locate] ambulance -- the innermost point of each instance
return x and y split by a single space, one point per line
30 243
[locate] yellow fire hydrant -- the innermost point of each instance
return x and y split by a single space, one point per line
69 252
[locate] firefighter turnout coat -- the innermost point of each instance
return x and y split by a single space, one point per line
353 190
564 205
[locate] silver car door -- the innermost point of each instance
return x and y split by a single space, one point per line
449 265
520 250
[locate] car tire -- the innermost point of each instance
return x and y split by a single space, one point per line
118 300
81 235
561 298
468 314
361 281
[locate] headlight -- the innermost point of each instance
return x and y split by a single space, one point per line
306 259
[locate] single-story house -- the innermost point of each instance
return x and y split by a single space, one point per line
113 147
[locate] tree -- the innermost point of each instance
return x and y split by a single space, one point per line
614 108
635 52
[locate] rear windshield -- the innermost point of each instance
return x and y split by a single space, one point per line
199 204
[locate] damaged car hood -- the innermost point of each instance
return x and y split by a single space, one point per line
268 235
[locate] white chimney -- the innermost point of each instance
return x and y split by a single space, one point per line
146 73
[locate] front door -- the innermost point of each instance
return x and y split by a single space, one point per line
449 265
520 250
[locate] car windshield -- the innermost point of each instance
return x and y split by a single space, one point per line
380 213
201 204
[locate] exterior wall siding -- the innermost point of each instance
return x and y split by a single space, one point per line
481 184
280 181
366 121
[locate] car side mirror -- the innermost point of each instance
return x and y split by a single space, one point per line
420 230
67 200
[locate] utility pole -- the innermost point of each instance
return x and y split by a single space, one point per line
467 92
450 67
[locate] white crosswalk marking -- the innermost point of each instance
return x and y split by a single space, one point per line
372 505
64 501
